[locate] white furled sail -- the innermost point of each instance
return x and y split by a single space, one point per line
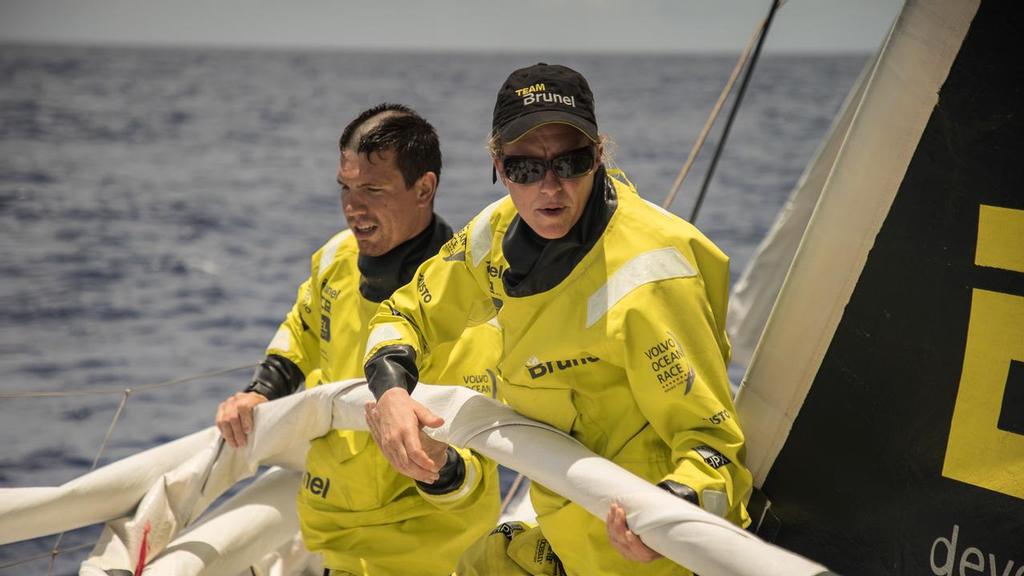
685 533
253 524
106 493
751 300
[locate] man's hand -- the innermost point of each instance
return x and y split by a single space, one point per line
234 416
395 422
624 540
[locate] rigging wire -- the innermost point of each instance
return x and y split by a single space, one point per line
726 90
760 31
732 113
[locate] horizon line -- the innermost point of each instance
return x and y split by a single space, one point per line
490 50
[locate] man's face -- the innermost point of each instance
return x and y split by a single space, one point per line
380 209
553 205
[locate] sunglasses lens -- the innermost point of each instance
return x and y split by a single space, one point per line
524 170
574 164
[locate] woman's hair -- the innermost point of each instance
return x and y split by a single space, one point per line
605 141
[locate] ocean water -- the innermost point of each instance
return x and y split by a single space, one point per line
158 208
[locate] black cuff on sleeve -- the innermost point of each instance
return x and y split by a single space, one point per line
392 366
276 377
680 491
450 478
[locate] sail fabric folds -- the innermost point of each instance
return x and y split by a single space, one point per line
220 543
106 493
751 300
258 523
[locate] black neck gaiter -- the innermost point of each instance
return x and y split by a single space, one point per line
536 265
382 275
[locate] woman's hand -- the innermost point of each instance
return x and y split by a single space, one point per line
624 540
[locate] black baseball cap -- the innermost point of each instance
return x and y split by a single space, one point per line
543 94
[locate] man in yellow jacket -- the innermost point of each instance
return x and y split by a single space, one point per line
613 321
354 508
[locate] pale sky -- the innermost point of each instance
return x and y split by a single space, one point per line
523 25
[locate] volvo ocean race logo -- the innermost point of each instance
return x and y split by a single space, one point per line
669 365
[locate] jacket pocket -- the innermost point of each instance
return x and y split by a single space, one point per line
550 405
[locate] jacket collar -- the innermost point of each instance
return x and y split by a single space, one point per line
382 275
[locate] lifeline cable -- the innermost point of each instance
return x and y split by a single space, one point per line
44 555
732 113
125 392
99 454
118 390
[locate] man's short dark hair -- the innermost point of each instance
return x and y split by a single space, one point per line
412 139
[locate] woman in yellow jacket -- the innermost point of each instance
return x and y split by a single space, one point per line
613 320
353 507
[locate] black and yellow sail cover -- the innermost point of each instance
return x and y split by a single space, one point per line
884 406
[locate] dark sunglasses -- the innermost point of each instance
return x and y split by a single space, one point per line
527 169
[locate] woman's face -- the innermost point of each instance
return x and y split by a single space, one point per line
552 205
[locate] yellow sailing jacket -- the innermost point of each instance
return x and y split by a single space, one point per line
358 511
627 354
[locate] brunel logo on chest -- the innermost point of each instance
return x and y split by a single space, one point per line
327 292
327 295
540 369
494 273
316 485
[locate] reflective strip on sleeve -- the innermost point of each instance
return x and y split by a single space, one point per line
327 255
282 340
381 333
659 208
716 502
660 264
480 238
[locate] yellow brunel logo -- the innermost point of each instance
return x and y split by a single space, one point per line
986 446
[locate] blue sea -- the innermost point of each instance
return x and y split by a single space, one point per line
158 208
